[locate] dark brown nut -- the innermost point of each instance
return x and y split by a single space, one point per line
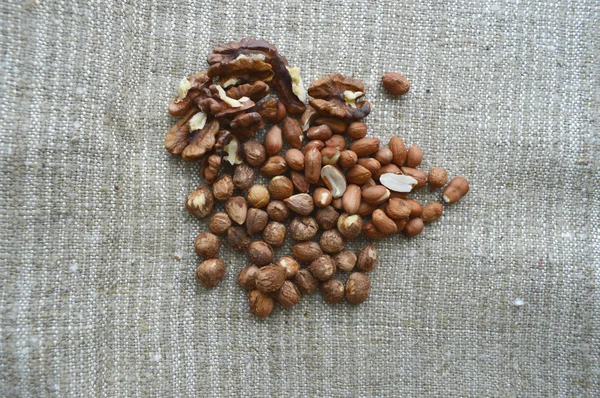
312 166
200 202
345 260
307 284
269 279
219 223
281 187
307 118
351 199
365 209
335 95
301 203
238 239
273 141
358 287
247 277
322 197
417 174
210 168
438 177
329 155
332 241
398 149
384 223
400 224
312 144
388 168
347 159
275 166
288 295
207 245
383 156
241 69
371 231
414 227
366 258
188 88
255 153
357 130
220 106
192 144
236 209
260 253
278 211
274 233
457 188
336 141
261 304
267 109
365 146
299 181
414 156
358 174
370 164
255 91
180 108
327 217
223 187
432 211
256 220
375 195
322 268
243 176
258 196
349 225
397 209
289 265
337 204
322 132
293 132
336 125
332 291
415 208
244 126
303 228
395 83
307 251
210 272
288 85
295 159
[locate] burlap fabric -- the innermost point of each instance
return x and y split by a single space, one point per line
94 302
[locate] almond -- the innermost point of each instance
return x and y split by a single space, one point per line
351 199
398 151
358 174
375 195
312 166
334 180
417 174
383 223
273 141
274 166
365 146
301 203
294 159
293 132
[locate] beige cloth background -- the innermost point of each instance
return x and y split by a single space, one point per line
94 303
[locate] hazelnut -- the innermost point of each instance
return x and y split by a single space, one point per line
258 196
247 277
256 220
307 252
357 130
349 225
332 291
275 166
260 253
255 153
303 228
322 197
295 159
345 260
278 211
438 177
288 295
414 156
347 159
432 211
332 241
358 287
223 187
281 187
457 188
299 181
366 258
306 283
269 279
383 156
200 202
207 245
261 304
210 272
289 265
274 233
236 209
243 176
395 83
219 223
413 227
301 203
237 238
322 267
327 217
273 141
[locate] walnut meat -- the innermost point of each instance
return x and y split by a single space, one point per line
336 95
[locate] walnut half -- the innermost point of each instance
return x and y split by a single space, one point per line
336 95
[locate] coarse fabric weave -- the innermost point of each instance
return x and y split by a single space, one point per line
500 297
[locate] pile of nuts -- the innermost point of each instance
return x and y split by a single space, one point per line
332 179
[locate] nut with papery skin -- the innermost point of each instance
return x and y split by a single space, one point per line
274 233
337 204
237 209
365 209
330 156
336 141
414 227
260 253
322 197
306 252
457 188
345 260
312 166
210 272
322 132
256 220
357 130
417 174
243 176
332 241
295 159
415 207
375 195
293 132
223 187
397 209
273 141
327 217
347 159
351 199
438 177
200 202
306 282
332 291
319 145
414 156
322 267
358 287
365 146
366 258
301 203
336 125
395 83
281 187
289 265
237 238
261 304
278 211
258 196
303 228
370 164
269 279
334 179
384 223
358 174
388 168
371 231
307 118
383 156
247 277
432 211
288 295
219 223
299 181
255 153
275 166
398 149
207 245
349 225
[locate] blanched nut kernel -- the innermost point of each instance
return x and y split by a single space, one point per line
366 258
438 177
345 260
210 272
281 187
247 277
274 234
358 287
322 268
261 304
278 211
332 291
432 211
332 241
457 188
258 196
219 223
322 197
200 202
288 295
306 283
207 245
414 227
260 253
269 279
289 265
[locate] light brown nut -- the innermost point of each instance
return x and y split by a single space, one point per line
312 166
370 164
255 153
295 159
357 130
273 141
383 156
269 278
400 224
417 174
237 238
398 151
219 223
333 291
303 228
256 220
299 181
327 217
275 166
322 132
301 203
336 141
345 260
332 241
351 199
237 209
210 168
207 245
278 211
322 268
358 287
223 187
414 227
210 272
200 202
371 231
397 209
432 211
395 84
384 223
322 197
288 295
243 176
307 252
336 125
289 265
281 112
307 118
330 155
388 168
247 277
366 258
293 132
274 233
333 179
337 204
281 187
260 253
307 284
349 225
358 174
312 144
414 156
365 146
261 304
257 196
398 195
375 195
347 159
369 183
438 177
415 207
365 209
457 188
